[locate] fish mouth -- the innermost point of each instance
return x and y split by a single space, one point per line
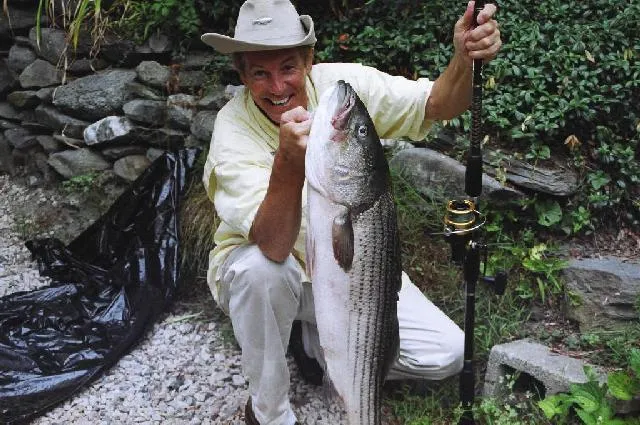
346 101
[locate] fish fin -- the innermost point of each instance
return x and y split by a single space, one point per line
342 238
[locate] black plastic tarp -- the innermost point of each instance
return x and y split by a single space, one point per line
108 286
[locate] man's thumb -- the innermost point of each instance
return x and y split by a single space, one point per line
466 21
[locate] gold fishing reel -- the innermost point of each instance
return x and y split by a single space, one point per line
460 221
462 218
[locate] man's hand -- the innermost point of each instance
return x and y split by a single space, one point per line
295 125
451 93
479 40
277 222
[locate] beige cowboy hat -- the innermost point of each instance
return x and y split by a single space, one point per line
265 25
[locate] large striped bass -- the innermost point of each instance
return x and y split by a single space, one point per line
353 252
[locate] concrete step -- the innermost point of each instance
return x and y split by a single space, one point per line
533 367
540 370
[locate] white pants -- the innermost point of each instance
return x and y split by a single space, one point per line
263 298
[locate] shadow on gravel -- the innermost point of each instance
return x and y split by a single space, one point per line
109 285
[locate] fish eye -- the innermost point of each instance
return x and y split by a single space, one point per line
362 131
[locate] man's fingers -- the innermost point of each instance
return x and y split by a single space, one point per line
488 53
483 37
487 13
297 114
479 40
301 128
295 130
485 30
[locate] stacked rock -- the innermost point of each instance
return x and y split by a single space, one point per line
67 112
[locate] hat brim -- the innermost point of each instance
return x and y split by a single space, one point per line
226 45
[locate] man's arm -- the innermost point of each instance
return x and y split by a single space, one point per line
277 222
451 92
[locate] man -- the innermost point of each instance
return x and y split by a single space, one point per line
254 174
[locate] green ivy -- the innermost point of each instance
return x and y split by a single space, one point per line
565 84
178 18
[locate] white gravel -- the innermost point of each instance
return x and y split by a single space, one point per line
186 370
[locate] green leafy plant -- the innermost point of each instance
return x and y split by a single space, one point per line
611 186
498 412
545 269
175 17
592 401
580 219
587 400
549 212
538 152
563 84
80 184
512 409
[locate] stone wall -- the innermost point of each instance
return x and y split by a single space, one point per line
65 112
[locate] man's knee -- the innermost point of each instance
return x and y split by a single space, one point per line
256 275
452 355
434 362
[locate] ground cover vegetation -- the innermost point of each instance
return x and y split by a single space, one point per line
564 89
589 400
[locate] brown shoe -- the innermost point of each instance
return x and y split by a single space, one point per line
249 417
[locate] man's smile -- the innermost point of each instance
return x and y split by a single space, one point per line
280 102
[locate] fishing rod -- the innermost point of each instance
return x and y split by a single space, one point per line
462 222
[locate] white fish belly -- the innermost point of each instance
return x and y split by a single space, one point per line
356 311
330 286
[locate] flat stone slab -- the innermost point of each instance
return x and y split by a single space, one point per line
441 177
556 372
554 179
605 292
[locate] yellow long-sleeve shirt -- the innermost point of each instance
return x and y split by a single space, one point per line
238 166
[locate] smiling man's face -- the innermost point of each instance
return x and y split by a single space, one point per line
276 79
